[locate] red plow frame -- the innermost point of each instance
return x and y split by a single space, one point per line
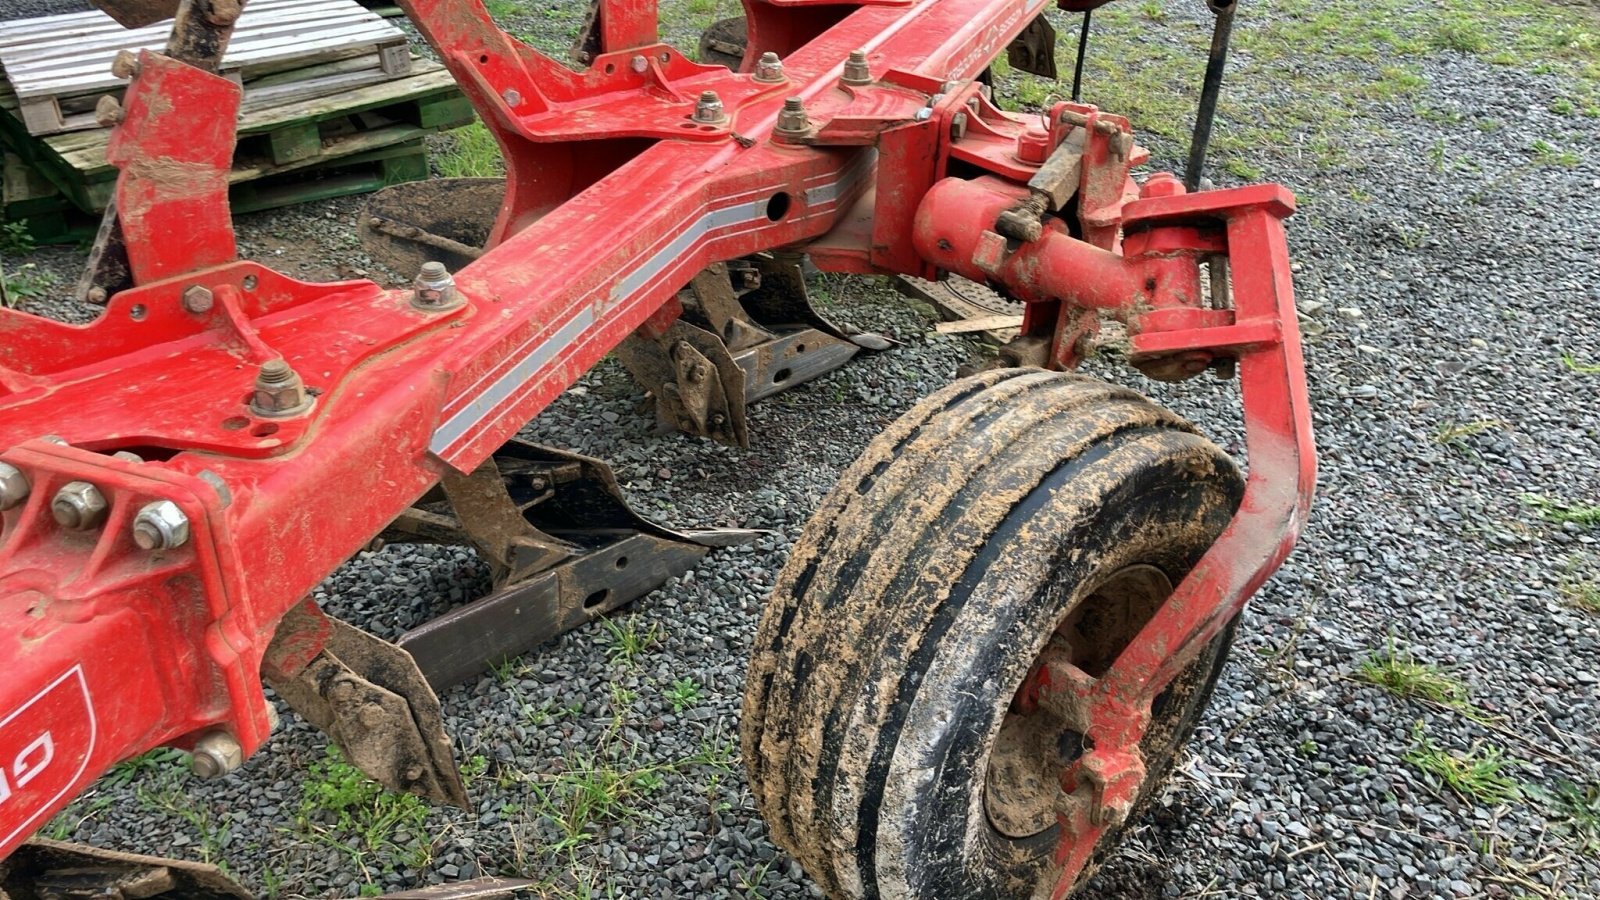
273 427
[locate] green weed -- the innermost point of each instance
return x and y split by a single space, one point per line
473 153
1562 512
1397 672
1546 154
1461 33
1585 595
1572 364
627 642
683 694
1478 775
365 816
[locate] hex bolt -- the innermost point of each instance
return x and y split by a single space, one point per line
793 125
708 110
78 506
769 68
197 298
160 526
14 486
434 289
108 112
639 64
125 64
856 71
215 755
958 126
279 391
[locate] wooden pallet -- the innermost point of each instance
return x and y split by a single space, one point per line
53 219
59 66
281 130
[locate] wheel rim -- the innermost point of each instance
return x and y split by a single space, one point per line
1033 747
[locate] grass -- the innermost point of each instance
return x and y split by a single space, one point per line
1583 594
24 282
1576 808
1399 673
1457 435
1476 776
473 153
1546 154
627 642
1572 364
1462 34
611 783
343 809
1563 512
683 694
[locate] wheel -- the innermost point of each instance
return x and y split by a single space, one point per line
1012 509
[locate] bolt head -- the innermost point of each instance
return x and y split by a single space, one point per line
769 68
197 298
278 391
434 288
160 526
709 108
14 486
125 64
639 64
78 506
216 755
856 71
108 112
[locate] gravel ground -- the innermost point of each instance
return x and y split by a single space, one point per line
1446 263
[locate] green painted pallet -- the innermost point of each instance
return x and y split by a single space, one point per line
291 122
53 219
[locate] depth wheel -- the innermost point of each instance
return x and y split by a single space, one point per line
1012 509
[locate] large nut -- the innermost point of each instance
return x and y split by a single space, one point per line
769 68
160 526
14 486
216 755
78 506
708 109
279 391
434 289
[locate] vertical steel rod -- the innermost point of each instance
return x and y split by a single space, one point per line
1209 91
1077 70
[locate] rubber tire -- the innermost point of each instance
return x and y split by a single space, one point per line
919 595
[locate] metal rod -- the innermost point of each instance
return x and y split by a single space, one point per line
1209 91
1077 70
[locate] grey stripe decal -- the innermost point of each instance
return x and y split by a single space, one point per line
467 416
503 387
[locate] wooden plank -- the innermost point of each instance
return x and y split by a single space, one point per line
92 22
295 142
982 323
41 114
70 55
101 28
96 74
22 63
84 151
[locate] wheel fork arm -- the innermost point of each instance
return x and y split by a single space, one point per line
1153 286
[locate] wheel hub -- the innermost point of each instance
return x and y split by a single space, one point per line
1035 746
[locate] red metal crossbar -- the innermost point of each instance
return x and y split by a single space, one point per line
617 194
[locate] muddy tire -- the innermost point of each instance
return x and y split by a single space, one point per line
1013 508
